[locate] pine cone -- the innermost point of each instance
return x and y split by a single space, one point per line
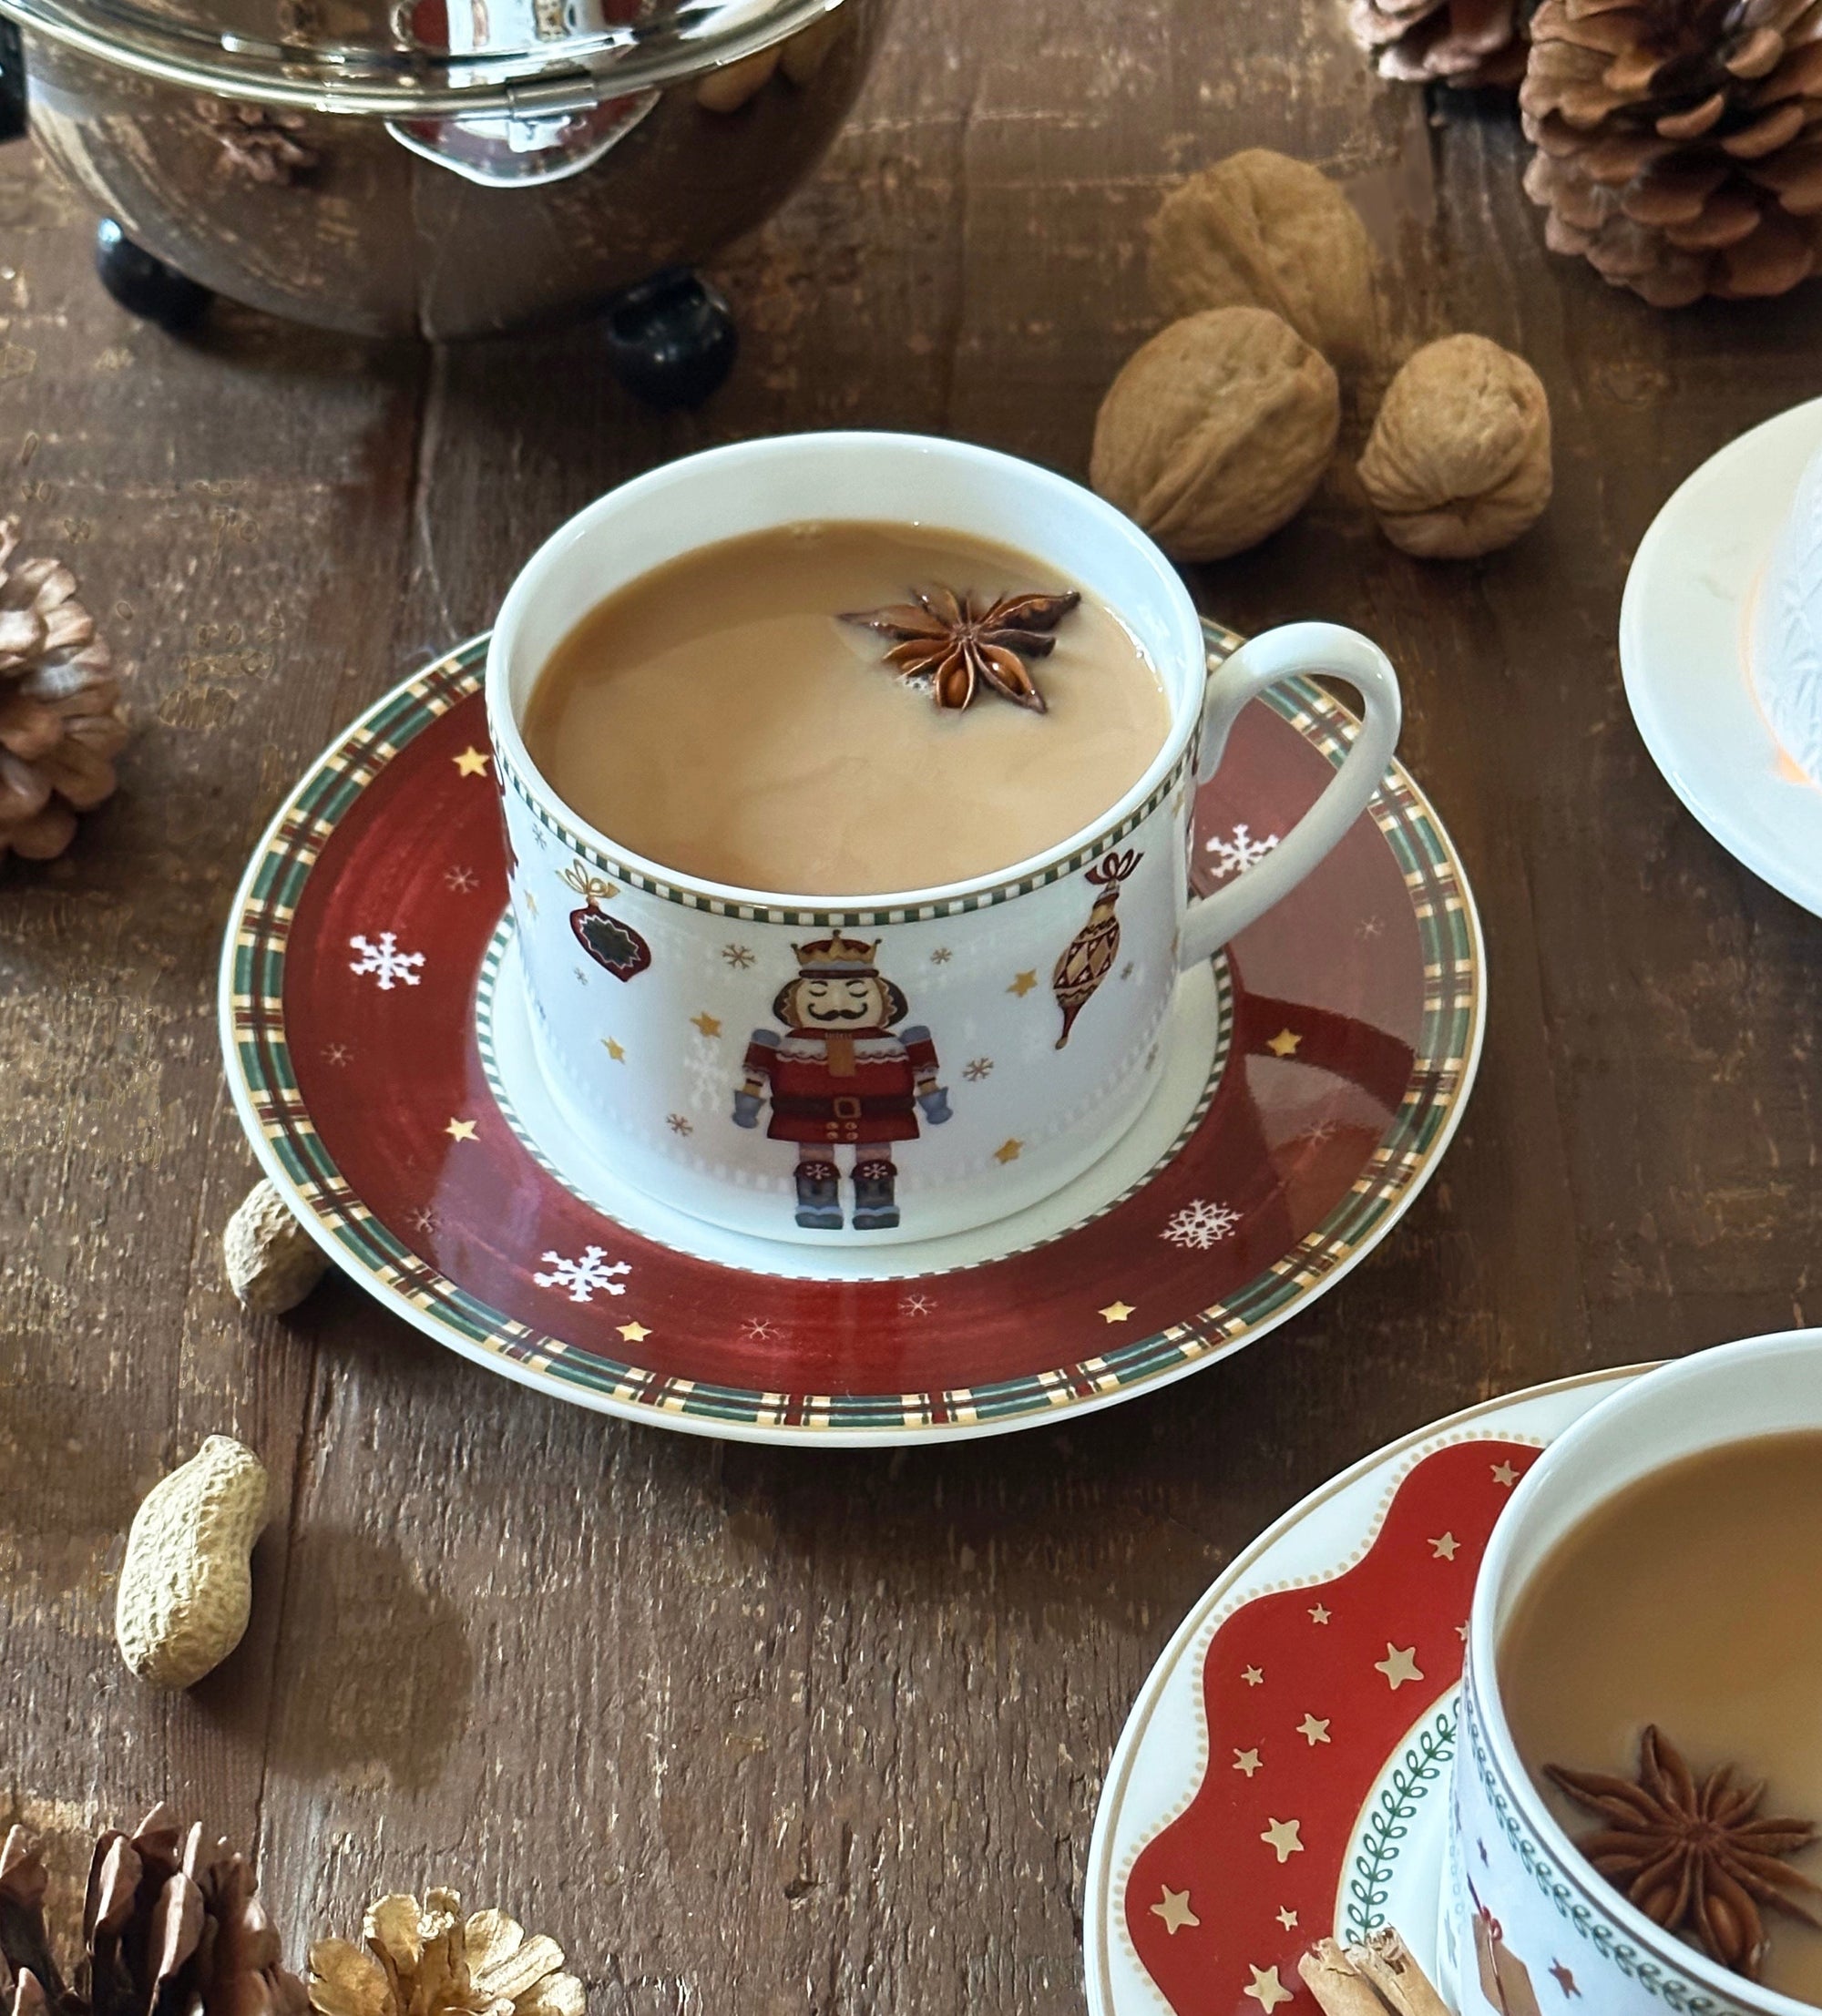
1676 145
427 1959
1466 43
60 726
168 1928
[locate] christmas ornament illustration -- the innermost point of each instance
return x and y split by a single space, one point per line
842 1076
1090 952
606 940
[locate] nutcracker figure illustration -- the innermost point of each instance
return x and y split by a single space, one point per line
1089 957
841 1077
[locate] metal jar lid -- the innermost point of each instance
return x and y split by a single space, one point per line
416 58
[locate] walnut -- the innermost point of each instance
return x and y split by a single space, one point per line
1459 460
1216 431
1264 231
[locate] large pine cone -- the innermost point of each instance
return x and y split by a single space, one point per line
1466 42
1676 141
169 1927
60 726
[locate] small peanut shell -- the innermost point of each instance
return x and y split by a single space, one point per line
186 1589
273 1261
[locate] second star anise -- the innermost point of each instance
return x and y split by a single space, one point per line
1693 1856
959 641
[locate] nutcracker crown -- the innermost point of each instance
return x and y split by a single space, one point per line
836 955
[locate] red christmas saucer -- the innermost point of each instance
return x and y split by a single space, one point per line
1284 1775
369 1044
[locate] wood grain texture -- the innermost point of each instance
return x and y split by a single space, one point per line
748 1730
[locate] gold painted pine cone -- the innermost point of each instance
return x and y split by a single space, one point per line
1466 43
1676 145
60 726
427 1959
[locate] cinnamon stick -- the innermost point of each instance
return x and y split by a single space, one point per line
1386 1962
1338 1986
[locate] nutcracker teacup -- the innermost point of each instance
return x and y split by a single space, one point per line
1529 1922
895 1067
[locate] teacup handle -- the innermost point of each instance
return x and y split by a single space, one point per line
1262 662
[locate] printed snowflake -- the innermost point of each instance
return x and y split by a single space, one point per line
424 1218
976 1068
1323 1130
1370 928
1198 1224
385 961
580 1278
680 1123
337 1053
1235 855
707 1070
941 956
737 956
915 1305
461 880
581 976
757 1328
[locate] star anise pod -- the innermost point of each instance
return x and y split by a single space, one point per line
957 640
1695 1855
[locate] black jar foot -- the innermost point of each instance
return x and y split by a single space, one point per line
671 339
146 286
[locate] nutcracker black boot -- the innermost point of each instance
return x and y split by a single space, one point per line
819 1196
875 1184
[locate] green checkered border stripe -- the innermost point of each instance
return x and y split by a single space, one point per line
485 995
1451 990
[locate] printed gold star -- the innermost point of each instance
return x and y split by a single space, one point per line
634 1332
1398 1666
707 1023
1267 1990
1504 1474
1312 1731
1115 1312
471 763
1319 1615
1008 1150
461 1130
1563 1978
1461 1633
1246 1761
1253 1677
1023 985
1284 1838
1173 1908
1443 1549
1288 1919
613 1049
531 902
1284 1043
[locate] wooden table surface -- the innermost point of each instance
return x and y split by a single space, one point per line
754 1730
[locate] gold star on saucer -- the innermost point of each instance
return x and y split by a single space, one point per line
472 762
1284 1043
1443 1549
1505 1475
1115 1312
1319 1615
461 1130
1284 1838
1288 1919
1246 1761
1023 985
634 1332
1399 1665
1173 1908
1312 1731
707 1023
613 1049
1008 1150
1253 1677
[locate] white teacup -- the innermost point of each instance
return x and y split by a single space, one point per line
1523 1899
1000 1067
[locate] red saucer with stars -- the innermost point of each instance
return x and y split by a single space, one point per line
1338 1039
1284 1776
